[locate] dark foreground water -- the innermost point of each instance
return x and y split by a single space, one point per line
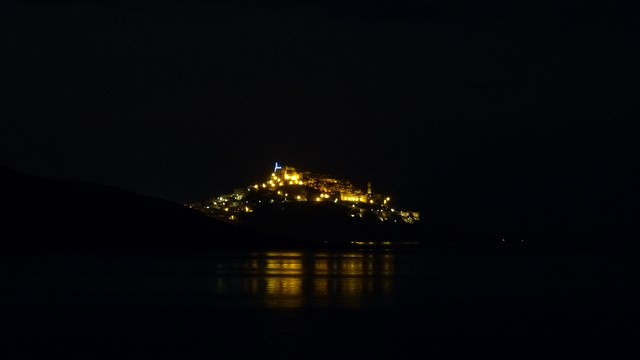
309 304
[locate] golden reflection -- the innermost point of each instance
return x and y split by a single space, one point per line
283 267
352 291
283 286
283 254
321 287
283 292
321 267
296 279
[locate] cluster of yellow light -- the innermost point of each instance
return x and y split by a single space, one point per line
291 179
274 180
354 198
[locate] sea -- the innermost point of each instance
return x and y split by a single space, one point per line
369 302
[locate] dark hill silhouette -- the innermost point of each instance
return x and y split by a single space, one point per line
47 214
330 223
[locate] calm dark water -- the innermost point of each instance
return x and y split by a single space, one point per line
287 304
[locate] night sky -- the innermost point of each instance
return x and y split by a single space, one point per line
494 116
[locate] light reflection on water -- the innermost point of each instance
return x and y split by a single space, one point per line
274 279
296 279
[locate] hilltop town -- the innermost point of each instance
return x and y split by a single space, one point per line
286 185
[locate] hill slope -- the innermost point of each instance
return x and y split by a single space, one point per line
54 214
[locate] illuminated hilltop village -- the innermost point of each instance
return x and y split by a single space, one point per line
288 185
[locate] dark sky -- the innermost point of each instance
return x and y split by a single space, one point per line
498 115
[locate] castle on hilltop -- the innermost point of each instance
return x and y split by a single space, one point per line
285 184
328 188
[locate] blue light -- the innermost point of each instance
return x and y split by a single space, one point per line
277 167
